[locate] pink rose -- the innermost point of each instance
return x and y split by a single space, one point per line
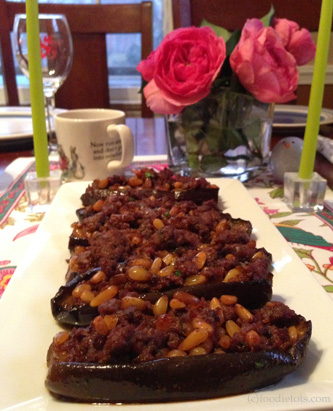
263 65
296 40
182 69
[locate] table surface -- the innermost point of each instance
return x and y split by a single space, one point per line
309 234
149 139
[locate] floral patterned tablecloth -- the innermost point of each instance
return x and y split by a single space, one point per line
310 234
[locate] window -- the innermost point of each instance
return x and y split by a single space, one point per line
124 80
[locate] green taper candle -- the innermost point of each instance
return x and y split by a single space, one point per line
317 92
36 90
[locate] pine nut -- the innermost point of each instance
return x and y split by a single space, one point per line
135 182
257 255
195 279
176 353
158 223
98 277
104 295
142 262
200 259
221 226
100 325
198 351
87 296
252 338
178 184
111 321
243 313
176 304
169 259
169 269
103 183
293 333
61 337
228 299
203 325
132 301
78 290
225 341
174 211
232 275
196 337
214 304
156 265
137 273
185 297
161 306
231 327
98 205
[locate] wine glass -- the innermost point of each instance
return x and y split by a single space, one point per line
56 56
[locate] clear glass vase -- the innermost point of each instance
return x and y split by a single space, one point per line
227 134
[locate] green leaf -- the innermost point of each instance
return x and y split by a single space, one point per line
279 215
290 223
277 193
219 31
232 41
328 288
193 161
211 163
267 19
302 253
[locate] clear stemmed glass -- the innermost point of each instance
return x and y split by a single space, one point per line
56 55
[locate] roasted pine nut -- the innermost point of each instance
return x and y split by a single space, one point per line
61 337
228 299
200 259
104 295
232 275
158 223
98 277
195 279
231 327
137 273
243 313
161 306
196 337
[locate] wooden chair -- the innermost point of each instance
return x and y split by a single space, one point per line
87 82
231 15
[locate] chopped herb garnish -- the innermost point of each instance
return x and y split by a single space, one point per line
167 214
148 174
259 364
178 273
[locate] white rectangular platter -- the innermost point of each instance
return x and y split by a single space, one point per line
27 326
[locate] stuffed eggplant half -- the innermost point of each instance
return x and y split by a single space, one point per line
153 246
179 348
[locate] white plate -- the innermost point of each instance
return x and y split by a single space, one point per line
27 326
289 116
16 123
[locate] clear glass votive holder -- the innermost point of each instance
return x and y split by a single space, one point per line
40 191
304 194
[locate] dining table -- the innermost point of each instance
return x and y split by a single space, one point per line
310 234
301 241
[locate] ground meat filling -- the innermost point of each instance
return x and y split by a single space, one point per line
133 330
143 183
157 244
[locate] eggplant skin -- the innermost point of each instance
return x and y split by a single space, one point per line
251 294
175 379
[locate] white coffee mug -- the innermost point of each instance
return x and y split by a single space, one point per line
93 143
